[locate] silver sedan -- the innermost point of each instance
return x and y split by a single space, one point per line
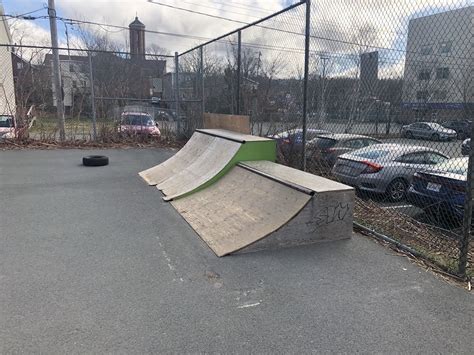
385 168
428 130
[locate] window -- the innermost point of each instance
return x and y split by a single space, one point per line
426 50
434 158
372 154
368 142
19 65
354 144
422 95
71 68
445 47
74 84
83 82
324 143
412 158
424 74
442 73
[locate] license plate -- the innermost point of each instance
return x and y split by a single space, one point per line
433 187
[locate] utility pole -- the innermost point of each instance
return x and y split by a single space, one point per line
56 69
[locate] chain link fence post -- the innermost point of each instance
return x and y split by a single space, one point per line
201 61
468 208
94 113
239 69
305 81
176 94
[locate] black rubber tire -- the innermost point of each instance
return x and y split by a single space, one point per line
397 196
95 160
435 137
409 135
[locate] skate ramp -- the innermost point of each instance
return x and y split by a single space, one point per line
249 210
196 145
209 155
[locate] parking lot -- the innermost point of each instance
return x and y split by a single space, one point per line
92 260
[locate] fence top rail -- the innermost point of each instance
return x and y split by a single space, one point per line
244 27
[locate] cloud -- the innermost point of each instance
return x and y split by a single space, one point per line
341 29
159 18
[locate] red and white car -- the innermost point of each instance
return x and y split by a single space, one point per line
134 123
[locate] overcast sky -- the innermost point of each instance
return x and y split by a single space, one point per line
378 23
155 17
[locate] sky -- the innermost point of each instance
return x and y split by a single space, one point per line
353 26
155 17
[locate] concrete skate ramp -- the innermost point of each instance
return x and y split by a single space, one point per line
240 209
209 155
198 143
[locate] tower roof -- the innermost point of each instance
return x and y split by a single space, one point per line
137 23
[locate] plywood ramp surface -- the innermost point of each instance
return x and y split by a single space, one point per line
234 123
198 143
205 167
240 209
309 181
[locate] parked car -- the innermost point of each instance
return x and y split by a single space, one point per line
7 126
165 115
462 127
428 130
325 149
385 168
441 191
466 146
292 140
138 123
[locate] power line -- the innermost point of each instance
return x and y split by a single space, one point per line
245 6
8 45
217 9
198 12
12 17
75 21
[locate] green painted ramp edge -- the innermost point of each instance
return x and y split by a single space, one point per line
248 151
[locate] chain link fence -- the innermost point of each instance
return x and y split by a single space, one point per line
108 96
380 99
389 105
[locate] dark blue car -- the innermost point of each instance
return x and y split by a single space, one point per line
293 138
442 190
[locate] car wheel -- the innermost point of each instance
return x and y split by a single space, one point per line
397 190
95 160
408 134
435 136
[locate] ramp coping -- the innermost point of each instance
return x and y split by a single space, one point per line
290 184
294 177
233 136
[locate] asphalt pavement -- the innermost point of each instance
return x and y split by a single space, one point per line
93 261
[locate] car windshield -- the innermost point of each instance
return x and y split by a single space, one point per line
455 166
372 154
6 121
323 143
138 120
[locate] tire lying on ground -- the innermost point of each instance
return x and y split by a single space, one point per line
95 160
